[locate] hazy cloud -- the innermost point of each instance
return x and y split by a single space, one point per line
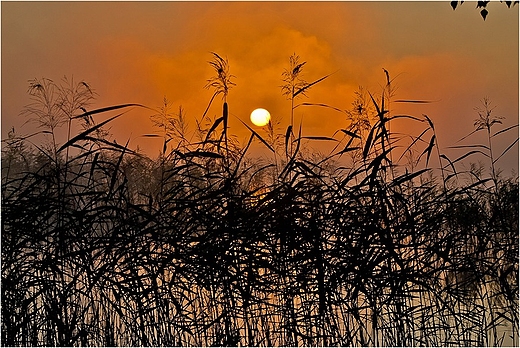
140 52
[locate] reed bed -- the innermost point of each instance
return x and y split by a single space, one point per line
102 246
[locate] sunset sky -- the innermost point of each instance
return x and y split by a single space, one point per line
139 52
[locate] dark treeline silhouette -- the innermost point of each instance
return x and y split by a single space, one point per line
204 246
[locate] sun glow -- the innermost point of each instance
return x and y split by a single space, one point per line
260 117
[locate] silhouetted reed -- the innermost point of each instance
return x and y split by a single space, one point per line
205 247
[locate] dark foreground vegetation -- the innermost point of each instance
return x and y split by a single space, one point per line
371 245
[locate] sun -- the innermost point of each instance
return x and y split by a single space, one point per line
260 117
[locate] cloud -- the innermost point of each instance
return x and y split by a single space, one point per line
145 76
140 52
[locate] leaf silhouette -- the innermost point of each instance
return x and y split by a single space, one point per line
429 149
258 136
352 134
321 105
348 149
83 135
301 90
450 163
430 122
413 101
109 108
112 144
213 127
408 176
413 143
318 138
469 154
507 149
484 13
287 135
368 143
469 146
504 130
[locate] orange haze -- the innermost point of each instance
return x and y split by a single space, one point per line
139 52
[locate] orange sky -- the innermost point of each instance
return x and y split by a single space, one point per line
139 52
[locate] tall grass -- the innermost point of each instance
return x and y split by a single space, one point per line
205 246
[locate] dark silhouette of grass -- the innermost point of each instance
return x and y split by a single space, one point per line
204 247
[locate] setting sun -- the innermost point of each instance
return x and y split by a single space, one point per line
260 117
